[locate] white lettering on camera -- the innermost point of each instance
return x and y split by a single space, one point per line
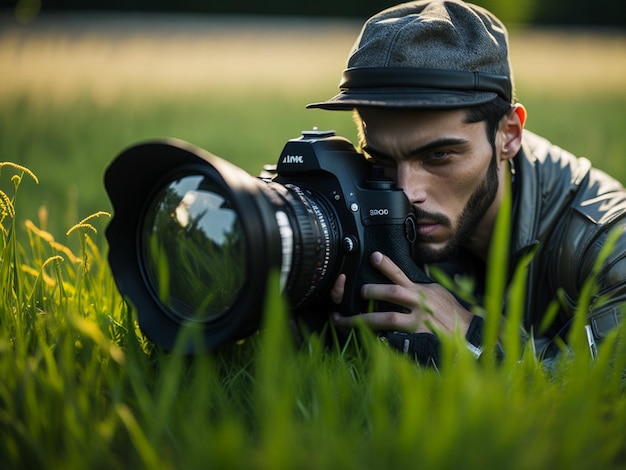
374 212
293 159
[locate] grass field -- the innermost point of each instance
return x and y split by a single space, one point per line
82 388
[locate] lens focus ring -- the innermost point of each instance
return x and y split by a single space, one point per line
315 246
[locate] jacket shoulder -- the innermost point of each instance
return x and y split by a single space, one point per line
576 207
562 181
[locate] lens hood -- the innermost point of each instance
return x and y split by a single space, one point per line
134 179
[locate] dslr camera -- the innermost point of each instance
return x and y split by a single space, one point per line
194 238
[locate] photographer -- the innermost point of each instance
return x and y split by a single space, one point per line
431 89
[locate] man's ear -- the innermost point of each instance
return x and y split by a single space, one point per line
521 112
511 127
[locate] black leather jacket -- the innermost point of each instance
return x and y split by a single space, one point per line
565 209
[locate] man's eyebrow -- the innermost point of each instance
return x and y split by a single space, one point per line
437 144
429 147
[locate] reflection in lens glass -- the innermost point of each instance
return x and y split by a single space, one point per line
194 249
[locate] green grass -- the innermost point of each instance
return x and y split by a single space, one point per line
82 388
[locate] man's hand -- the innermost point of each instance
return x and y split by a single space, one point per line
429 307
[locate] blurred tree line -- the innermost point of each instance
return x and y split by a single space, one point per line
556 12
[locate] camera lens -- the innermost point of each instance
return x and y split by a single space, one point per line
192 244
194 249
197 241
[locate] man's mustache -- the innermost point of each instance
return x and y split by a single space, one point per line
424 216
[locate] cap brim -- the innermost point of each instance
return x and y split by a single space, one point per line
404 99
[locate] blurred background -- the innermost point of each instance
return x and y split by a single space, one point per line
562 12
81 81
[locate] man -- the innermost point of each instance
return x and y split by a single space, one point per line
431 89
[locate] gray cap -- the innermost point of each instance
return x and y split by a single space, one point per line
426 54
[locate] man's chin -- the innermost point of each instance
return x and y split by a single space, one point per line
427 253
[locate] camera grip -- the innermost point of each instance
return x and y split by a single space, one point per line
391 240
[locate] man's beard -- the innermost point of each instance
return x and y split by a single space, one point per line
470 217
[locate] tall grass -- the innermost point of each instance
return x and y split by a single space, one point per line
82 388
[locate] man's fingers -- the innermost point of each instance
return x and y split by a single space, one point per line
395 294
378 321
336 293
390 269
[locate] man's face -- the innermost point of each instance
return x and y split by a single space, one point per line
446 167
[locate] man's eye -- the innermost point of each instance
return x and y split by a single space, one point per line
438 156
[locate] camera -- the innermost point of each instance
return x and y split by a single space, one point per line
194 238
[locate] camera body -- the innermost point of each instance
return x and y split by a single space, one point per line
193 243
366 213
